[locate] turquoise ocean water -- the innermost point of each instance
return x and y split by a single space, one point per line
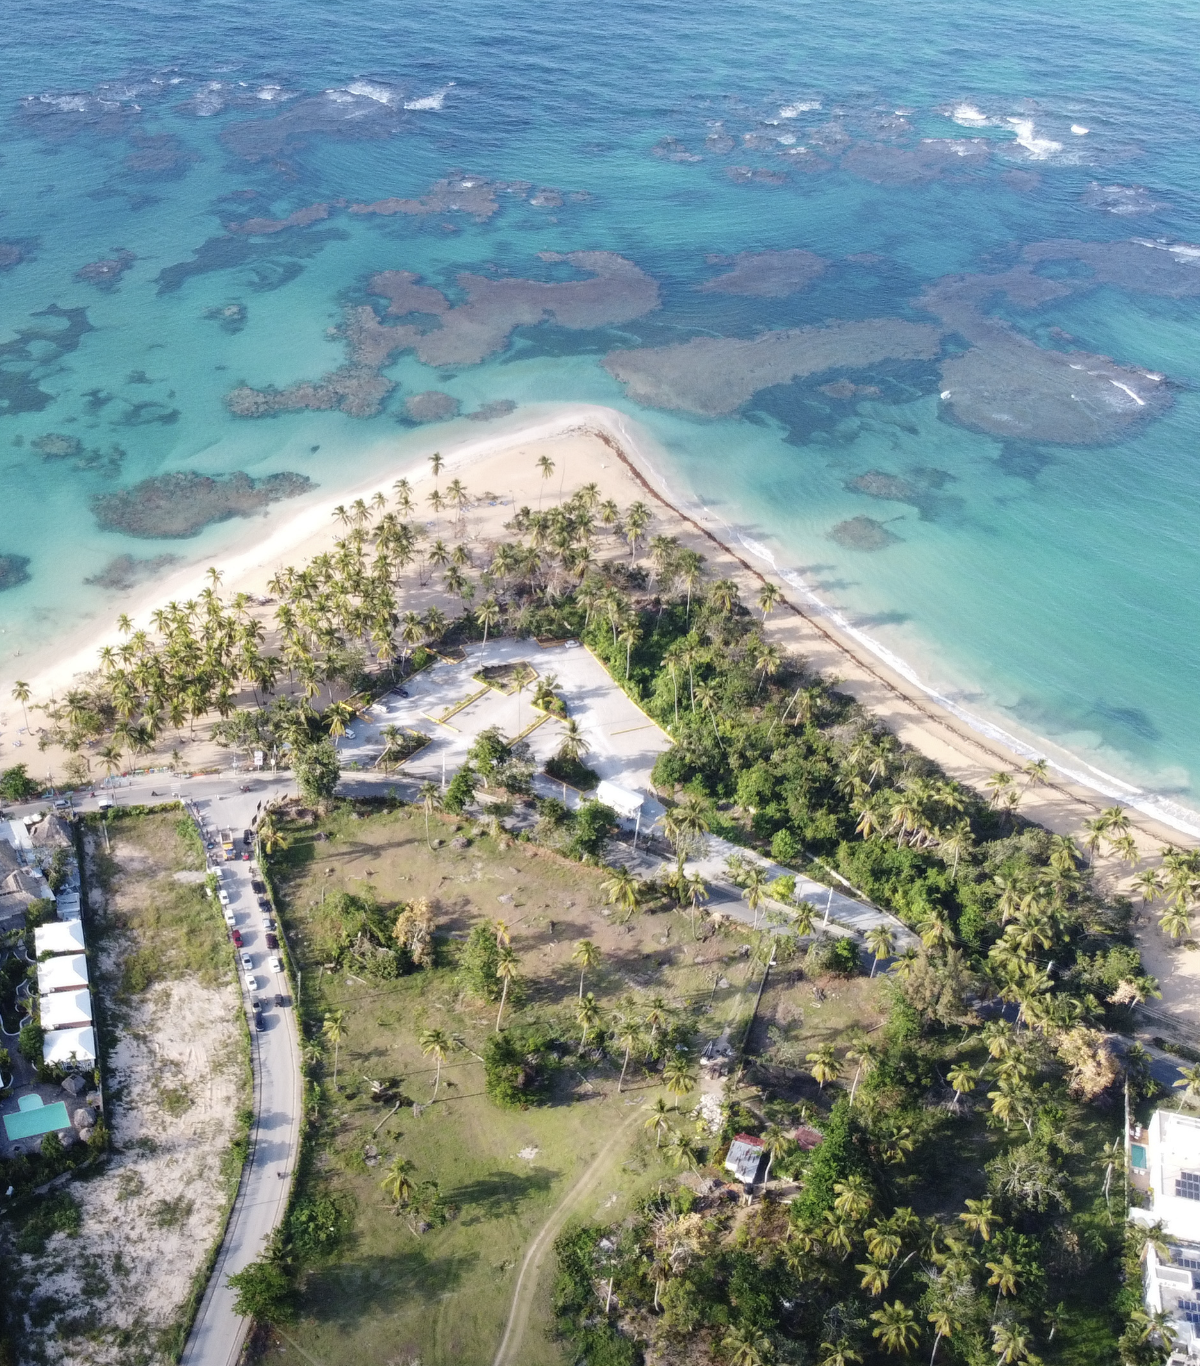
1048 586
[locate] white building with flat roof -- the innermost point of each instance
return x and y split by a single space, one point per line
1165 1165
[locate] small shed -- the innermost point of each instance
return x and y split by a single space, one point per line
58 937
745 1158
64 1047
65 973
66 1010
67 905
807 1139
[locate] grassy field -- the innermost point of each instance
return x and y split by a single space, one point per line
442 1296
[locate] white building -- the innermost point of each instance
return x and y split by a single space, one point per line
66 1047
66 973
67 905
57 937
1165 1164
66 1010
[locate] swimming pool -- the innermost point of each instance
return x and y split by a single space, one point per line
38 1118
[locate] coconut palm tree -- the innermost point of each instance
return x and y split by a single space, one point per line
628 1035
776 1143
506 971
398 1182
546 466
332 1030
678 1076
962 1078
436 1043
838 1353
21 694
768 596
487 614
747 1345
980 1218
882 943
587 1016
804 917
587 955
895 1328
622 889
824 1065
1175 922
270 838
1188 1084
754 889
658 1119
696 892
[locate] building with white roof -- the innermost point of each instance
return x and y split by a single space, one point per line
66 1010
58 937
67 905
1165 1165
65 973
745 1158
65 1047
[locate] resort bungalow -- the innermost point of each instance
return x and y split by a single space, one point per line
745 1159
62 974
70 1047
66 1010
1164 1161
58 938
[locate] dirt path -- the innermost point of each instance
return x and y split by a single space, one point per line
508 1353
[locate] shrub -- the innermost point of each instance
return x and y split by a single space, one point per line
264 1293
30 1041
784 847
315 1227
317 773
514 1064
477 967
838 955
594 823
460 791
17 786
58 1213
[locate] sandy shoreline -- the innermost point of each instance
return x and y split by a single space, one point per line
594 444
591 443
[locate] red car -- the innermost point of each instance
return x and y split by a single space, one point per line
236 936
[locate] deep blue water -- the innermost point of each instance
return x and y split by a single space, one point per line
1045 584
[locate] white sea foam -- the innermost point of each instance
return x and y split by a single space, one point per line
66 104
381 94
1039 149
788 139
1079 130
968 116
208 100
793 111
1141 402
1123 200
434 101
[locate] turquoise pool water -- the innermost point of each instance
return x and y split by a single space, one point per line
32 1120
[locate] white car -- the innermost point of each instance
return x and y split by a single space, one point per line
230 918
252 983
223 897
247 961
267 923
275 965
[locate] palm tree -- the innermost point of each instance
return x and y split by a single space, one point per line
882 943
658 1119
270 837
804 917
754 888
956 842
1096 831
392 737
896 1328
696 892
506 971
628 1035
332 1029
587 955
767 599
962 1078
776 1143
1175 922
1188 1083
686 823
21 694
429 799
678 1077
838 1353
621 889
587 1016
546 465
979 1218
945 1321
1010 1343
110 757
437 1043
747 1346
398 1182
1005 1276
487 614
824 1065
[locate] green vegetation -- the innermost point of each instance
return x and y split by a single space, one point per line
17 786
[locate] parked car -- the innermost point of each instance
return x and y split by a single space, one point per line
279 1001
223 897
258 888
259 1022
247 961
275 965
267 923
236 936
247 837
252 983
272 942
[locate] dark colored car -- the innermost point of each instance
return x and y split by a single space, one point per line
236 936
258 888
272 942
279 1002
259 1022
247 836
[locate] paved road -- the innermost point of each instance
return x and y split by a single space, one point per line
218 802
